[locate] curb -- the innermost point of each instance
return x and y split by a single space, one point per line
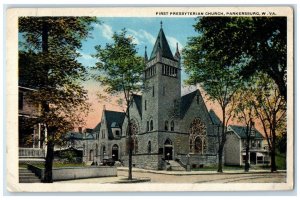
199 172
135 180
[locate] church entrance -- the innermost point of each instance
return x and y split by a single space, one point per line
115 152
168 150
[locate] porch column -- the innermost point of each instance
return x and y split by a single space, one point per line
256 159
39 130
33 137
46 140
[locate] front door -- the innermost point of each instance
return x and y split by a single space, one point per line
168 150
115 152
168 153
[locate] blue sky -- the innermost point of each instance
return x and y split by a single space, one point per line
144 30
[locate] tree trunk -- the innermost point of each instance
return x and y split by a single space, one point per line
273 151
130 144
220 165
247 165
45 106
222 143
273 162
130 159
49 162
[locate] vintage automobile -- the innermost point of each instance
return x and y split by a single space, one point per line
109 162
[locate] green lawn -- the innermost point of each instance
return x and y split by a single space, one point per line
215 167
56 165
280 160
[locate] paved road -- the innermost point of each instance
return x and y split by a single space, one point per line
183 177
211 178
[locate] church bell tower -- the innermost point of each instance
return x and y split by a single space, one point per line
162 84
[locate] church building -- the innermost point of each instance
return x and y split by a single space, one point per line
167 127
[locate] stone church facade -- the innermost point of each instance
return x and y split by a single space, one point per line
166 126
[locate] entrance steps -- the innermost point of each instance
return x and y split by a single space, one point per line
175 166
27 176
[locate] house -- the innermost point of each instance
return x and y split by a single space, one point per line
32 134
235 147
166 126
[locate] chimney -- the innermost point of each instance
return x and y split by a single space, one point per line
80 129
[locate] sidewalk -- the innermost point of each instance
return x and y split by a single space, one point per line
184 173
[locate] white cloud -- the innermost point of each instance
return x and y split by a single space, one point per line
141 36
172 42
86 59
106 30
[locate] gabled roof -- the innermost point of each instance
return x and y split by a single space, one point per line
162 44
113 119
214 118
90 136
241 132
186 102
73 136
138 102
97 127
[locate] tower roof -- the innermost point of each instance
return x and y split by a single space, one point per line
162 44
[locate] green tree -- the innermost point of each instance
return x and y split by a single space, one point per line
220 85
255 43
48 53
244 112
270 109
120 70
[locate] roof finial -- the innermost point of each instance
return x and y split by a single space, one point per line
146 56
161 23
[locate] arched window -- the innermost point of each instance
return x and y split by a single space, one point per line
198 145
166 125
204 146
151 125
172 125
104 150
153 91
198 137
149 147
148 128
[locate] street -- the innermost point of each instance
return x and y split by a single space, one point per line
211 178
191 177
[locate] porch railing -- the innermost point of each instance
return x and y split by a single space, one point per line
31 153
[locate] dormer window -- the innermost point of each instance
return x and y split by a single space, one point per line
117 133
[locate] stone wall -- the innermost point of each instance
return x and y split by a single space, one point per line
70 173
197 160
200 111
